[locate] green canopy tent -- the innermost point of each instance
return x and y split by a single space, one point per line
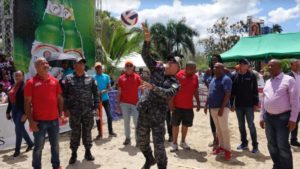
264 47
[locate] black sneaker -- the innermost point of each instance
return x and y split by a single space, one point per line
255 150
242 147
295 143
99 137
16 154
29 148
112 134
126 142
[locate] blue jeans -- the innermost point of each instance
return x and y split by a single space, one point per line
127 111
278 135
247 113
52 129
108 115
20 129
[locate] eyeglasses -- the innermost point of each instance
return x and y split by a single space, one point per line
129 65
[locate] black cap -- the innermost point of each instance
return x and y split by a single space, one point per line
244 61
80 59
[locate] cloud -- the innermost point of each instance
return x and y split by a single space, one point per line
198 16
119 6
203 15
281 15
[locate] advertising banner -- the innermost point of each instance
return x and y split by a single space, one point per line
54 29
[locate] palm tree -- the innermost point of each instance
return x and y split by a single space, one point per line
176 38
277 28
114 41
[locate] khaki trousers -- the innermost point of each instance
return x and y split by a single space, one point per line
221 123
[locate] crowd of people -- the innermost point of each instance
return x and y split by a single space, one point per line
165 97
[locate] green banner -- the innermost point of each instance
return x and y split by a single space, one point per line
49 28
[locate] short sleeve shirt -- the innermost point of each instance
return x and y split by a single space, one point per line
44 94
217 89
129 88
102 81
188 86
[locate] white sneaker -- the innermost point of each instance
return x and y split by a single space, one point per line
185 146
174 147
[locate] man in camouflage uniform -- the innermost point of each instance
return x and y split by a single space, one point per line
81 102
153 106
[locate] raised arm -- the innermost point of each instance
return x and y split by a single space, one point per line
149 61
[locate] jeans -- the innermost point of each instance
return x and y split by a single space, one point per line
20 129
169 125
278 135
127 111
247 113
109 116
52 129
294 133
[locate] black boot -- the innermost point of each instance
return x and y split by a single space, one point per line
150 161
88 155
73 158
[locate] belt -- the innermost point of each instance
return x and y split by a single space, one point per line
283 113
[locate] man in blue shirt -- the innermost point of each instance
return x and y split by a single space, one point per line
218 100
103 82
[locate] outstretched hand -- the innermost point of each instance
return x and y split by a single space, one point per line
147 35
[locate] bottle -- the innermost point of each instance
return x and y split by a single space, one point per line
49 35
72 38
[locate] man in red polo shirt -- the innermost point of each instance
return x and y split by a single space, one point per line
182 105
43 105
127 98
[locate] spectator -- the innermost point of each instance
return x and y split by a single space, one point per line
6 83
67 69
3 95
15 110
218 102
280 107
128 86
295 73
182 106
245 101
43 105
103 82
112 82
8 67
207 78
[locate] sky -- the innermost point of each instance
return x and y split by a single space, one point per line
202 14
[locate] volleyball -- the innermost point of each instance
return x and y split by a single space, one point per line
129 18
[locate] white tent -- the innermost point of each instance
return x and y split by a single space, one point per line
135 58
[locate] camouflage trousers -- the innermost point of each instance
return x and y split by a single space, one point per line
81 125
145 124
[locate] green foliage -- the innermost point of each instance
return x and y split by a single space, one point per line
222 36
174 38
276 28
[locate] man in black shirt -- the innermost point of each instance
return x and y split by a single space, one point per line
244 97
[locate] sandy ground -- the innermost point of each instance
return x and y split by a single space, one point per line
111 154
